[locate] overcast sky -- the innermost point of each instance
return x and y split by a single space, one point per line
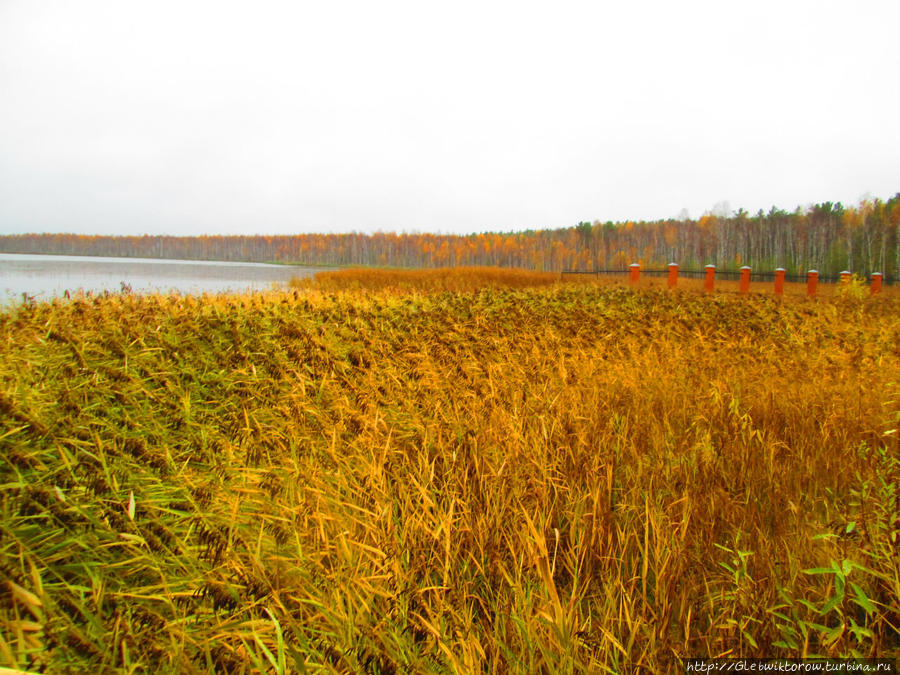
190 117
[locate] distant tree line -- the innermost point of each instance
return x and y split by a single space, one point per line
830 237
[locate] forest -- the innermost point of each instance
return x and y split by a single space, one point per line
830 237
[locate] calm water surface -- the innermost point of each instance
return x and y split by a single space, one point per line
47 276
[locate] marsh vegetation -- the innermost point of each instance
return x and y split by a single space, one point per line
484 471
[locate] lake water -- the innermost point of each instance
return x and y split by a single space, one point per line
47 276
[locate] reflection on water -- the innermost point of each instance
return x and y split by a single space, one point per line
46 276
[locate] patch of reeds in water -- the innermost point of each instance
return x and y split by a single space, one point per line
571 478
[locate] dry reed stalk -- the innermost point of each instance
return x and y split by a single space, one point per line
577 477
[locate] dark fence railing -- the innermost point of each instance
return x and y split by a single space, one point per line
720 275
745 275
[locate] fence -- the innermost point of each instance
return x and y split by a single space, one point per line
709 274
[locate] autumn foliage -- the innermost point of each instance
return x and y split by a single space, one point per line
829 237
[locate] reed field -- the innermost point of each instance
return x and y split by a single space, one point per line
474 471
